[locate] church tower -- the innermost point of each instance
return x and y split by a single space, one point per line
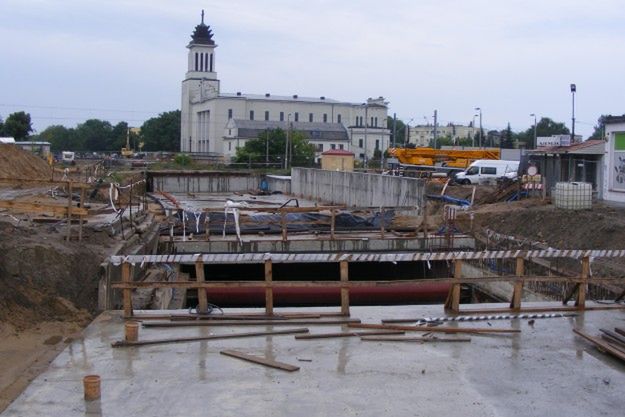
200 84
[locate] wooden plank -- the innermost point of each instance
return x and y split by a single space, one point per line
344 271
452 304
617 337
82 205
515 302
123 343
601 344
69 211
201 292
619 331
127 293
580 301
200 323
347 334
438 329
268 288
413 339
613 342
495 310
260 360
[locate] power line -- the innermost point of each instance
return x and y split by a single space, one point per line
78 108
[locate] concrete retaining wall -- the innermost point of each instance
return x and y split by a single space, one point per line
357 189
279 183
204 182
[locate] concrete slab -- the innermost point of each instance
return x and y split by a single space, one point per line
544 370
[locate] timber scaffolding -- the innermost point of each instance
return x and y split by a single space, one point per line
67 211
452 304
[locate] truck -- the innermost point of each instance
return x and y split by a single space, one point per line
67 157
484 171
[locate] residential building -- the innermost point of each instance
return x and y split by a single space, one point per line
423 135
217 123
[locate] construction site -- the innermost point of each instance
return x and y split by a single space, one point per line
126 290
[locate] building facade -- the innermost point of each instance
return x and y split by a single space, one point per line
217 123
614 160
423 135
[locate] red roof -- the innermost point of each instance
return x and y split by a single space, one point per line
338 152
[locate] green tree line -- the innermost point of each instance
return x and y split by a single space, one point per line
161 133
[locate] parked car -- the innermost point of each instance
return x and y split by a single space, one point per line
488 170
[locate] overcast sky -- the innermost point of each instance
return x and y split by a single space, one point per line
65 61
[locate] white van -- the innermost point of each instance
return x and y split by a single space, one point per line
487 170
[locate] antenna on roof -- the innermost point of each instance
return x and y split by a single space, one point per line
202 16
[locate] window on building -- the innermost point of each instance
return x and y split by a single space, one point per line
229 132
338 118
375 122
211 62
282 116
362 156
296 116
266 115
377 144
201 61
371 124
251 114
325 117
229 146
320 147
360 143
310 117
196 62
341 146
333 146
205 62
229 113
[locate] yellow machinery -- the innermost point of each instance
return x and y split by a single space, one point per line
457 158
128 152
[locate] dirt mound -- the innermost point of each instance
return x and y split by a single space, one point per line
44 278
18 163
600 228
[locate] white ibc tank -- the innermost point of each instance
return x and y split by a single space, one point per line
573 195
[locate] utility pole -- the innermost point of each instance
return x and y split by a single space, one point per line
479 144
573 90
266 148
394 129
286 143
435 128
535 126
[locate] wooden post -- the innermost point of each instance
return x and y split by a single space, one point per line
268 288
332 223
127 292
580 301
82 206
344 266
201 292
452 304
382 222
283 224
69 210
515 302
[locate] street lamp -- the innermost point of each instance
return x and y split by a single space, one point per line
473 131
286 143
535 143
407 132
573 90
479 144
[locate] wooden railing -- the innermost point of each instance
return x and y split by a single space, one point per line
452 303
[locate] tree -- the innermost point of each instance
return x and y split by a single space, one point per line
17 125
270 146
94 135
400 128
507 138
60 138
162 133
599 128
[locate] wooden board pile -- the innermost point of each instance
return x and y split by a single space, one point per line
612 342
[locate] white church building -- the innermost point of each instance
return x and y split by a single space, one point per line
217 123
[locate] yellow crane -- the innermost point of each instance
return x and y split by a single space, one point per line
457 158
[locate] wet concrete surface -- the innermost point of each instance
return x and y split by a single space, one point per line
544 370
